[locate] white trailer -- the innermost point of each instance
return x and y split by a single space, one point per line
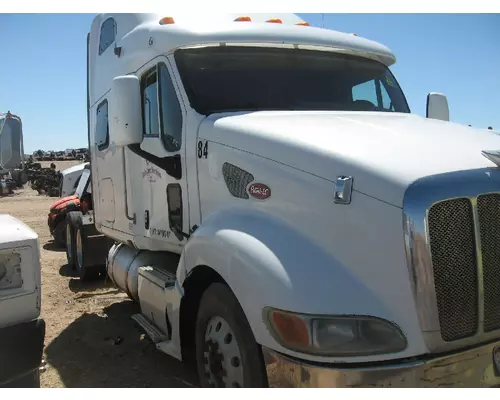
280 215
22 331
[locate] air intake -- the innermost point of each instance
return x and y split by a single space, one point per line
236 180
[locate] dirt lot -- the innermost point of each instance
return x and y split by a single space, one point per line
90 340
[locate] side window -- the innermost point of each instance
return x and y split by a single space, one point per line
386 99
108 31
102 126
170 112
150 104
365 91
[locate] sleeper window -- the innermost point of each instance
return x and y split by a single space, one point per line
108 30
102 126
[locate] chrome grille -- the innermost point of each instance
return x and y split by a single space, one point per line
452 243
488 207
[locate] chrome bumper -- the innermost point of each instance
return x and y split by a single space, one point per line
471 368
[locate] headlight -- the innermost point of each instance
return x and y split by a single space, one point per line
334 336
10 271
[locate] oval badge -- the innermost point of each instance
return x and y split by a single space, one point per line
259 191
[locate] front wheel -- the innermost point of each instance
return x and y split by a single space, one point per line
227 354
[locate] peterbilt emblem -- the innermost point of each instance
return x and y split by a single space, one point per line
259 191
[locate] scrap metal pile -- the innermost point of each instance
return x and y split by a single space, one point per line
7 184
43 180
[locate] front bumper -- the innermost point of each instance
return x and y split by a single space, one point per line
21 348
471 368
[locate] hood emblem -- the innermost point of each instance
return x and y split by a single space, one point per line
343 190
492 155
259 191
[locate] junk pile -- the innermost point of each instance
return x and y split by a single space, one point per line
7 184
43 180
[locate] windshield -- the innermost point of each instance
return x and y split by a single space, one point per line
219 79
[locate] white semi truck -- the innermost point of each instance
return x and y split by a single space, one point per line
22 331
69 179
280 215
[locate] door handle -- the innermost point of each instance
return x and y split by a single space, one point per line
146 219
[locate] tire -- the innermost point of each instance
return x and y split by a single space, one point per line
85 271
59 234
71 221
227 354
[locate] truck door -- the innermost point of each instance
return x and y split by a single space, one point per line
115 180
166 211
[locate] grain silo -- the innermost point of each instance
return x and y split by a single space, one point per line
11 146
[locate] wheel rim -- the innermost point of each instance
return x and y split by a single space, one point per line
79 249
69 248
221 355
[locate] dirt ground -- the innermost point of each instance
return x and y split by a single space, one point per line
91 341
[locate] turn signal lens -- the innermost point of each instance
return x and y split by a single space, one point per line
243 19
275 21
303 23
292 329
167 21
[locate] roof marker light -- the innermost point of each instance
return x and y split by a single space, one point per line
167 21
275 20
243 19
303 23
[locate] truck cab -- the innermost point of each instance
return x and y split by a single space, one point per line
278 208
69 180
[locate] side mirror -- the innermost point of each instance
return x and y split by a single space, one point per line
125 119
437 107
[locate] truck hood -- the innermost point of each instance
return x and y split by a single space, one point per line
383 152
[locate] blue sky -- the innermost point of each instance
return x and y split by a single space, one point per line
42 68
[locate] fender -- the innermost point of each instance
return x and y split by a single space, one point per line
62 202
266 262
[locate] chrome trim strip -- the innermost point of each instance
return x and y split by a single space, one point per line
419 197
479 263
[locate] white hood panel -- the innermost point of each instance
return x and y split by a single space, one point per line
383 152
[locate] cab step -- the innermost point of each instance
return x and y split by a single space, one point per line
160 277
155 334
